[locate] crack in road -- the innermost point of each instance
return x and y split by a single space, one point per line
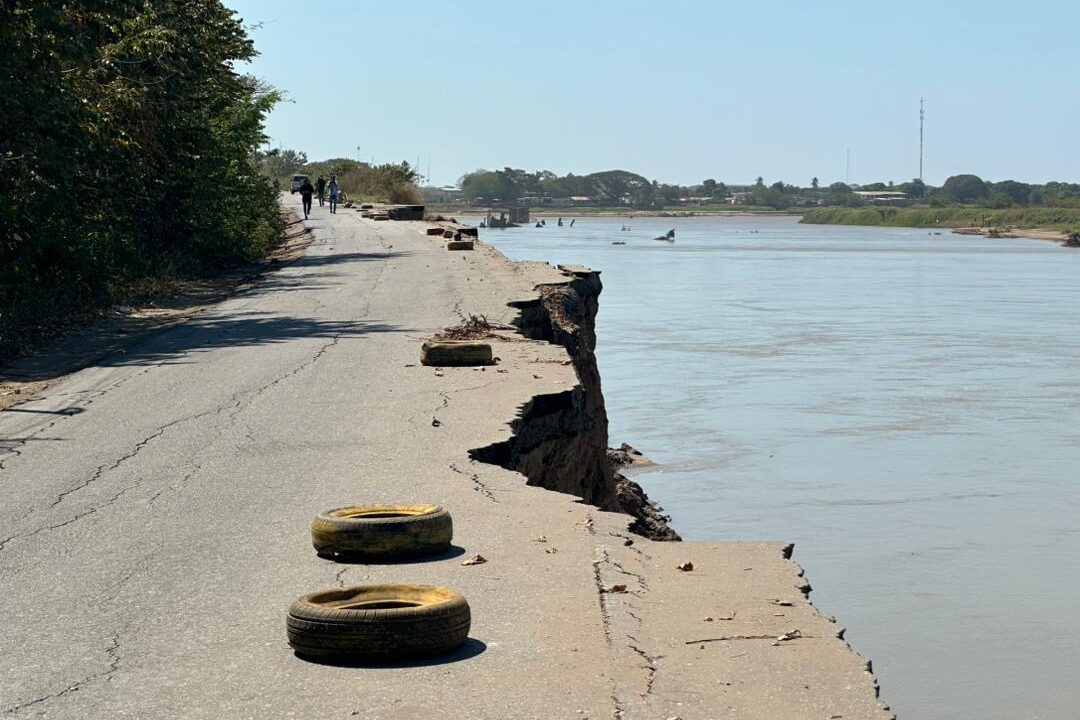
650 664
112 652
102 469
478 485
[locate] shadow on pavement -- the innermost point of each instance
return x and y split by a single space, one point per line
338 258
62 411
470 649
448 554
254 329
139 338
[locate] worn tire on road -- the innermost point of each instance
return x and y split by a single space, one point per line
382 532
378 622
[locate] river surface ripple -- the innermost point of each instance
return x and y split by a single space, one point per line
905 407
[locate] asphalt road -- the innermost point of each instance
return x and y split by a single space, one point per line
156 506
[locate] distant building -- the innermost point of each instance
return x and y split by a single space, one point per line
573 200
741 198
444 194
883 197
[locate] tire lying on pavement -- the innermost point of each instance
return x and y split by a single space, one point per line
382 532
378 622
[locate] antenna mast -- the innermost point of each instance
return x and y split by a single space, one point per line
922 120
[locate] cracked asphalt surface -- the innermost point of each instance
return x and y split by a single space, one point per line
156 509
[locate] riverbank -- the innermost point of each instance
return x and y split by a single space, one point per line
1035 222
547 211
305 392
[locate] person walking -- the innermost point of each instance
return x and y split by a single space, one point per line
306 191
333 188
320 187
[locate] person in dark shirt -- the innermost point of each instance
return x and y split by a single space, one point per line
306 191
320 187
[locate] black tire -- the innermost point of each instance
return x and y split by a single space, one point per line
382 532
378 622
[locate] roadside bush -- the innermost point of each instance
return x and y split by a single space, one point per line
126 146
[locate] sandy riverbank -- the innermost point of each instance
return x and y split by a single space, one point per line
1057 236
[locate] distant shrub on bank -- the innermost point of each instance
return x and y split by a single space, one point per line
394 183
389 182
1053 218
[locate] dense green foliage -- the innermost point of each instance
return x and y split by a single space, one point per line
126 152
1030 217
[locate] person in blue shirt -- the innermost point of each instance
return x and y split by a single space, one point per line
332 186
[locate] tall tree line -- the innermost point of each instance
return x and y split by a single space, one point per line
127 140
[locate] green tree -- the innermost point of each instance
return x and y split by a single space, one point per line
280 162
997 200
485 185
133 142
914 189
617 187
1018 192
965 188
814 184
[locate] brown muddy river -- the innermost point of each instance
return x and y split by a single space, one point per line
905 407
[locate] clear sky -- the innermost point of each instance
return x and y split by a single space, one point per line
680 91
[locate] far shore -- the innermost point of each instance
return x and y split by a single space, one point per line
587 211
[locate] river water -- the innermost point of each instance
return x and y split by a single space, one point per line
905 407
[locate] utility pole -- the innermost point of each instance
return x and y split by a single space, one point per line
922 120
847 173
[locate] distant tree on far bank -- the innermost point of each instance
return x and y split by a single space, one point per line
623 188
915 189
965 188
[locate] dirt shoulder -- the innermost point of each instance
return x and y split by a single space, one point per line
114 330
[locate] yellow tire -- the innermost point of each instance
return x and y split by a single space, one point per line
378 622
382 532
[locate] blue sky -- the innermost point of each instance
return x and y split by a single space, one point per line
680 91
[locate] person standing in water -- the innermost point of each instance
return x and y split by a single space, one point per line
320 187
333 188
306 191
